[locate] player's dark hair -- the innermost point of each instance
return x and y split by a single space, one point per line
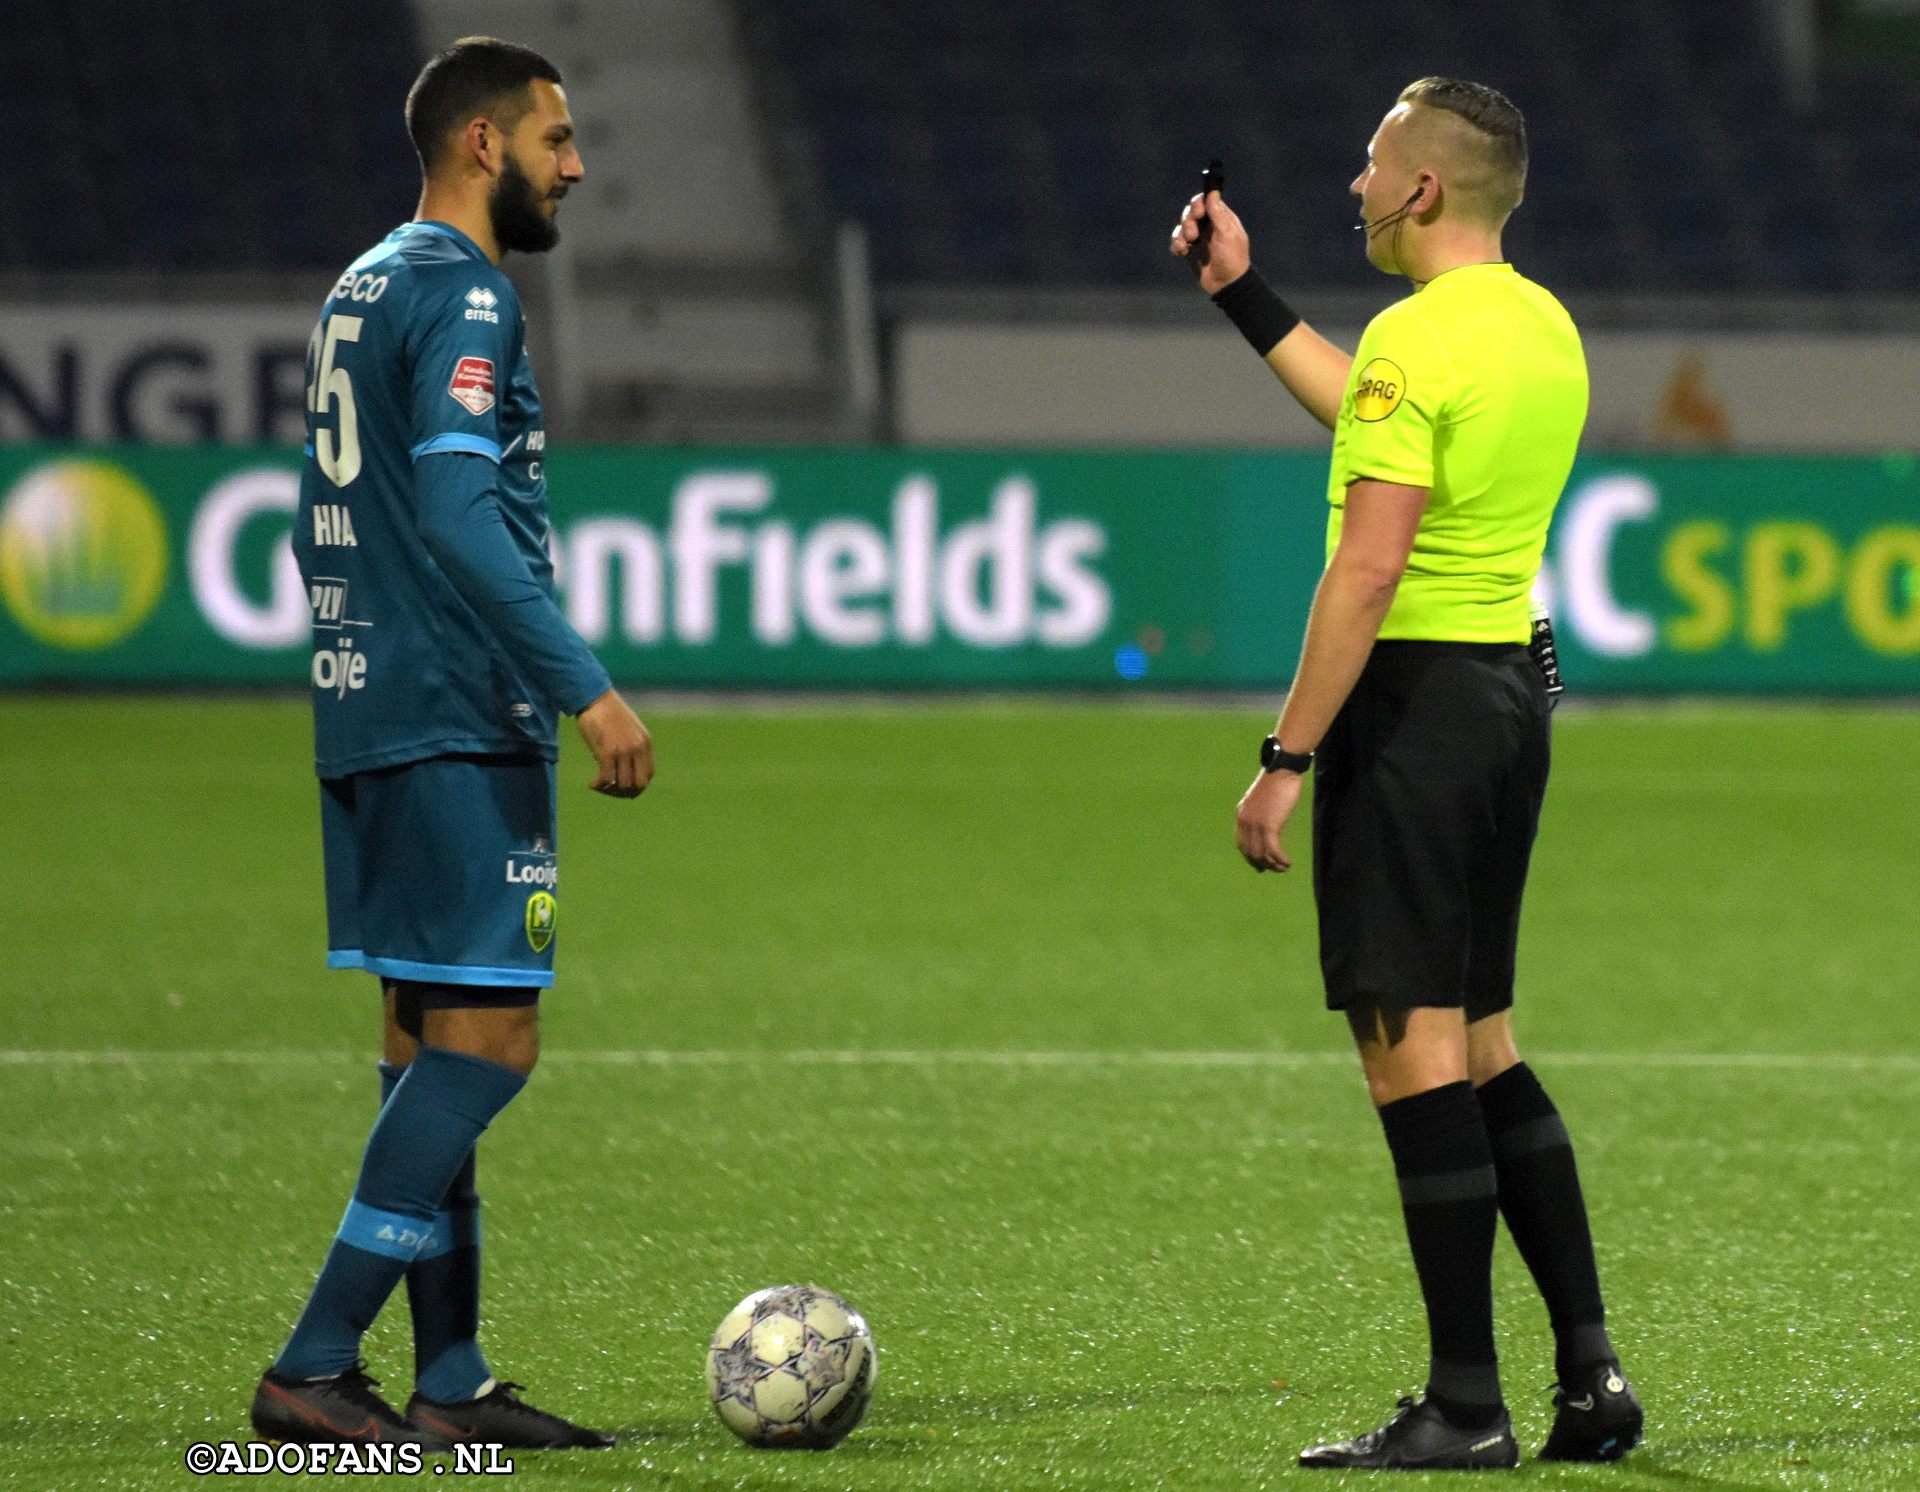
1494 115
476 75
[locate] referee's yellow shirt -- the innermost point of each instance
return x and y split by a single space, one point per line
1474 387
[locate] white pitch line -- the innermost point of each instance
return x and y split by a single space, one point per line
1887 1062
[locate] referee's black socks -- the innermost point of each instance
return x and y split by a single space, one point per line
1449 1195
1547 1215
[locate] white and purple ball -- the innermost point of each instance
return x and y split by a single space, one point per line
792 1367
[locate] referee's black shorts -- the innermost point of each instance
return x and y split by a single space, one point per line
1427 793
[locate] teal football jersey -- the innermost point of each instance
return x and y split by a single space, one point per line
420 352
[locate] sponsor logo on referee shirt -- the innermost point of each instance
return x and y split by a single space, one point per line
1378 393
472 384
541 910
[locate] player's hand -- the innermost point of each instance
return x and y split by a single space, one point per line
1264 812
1223 254
620 745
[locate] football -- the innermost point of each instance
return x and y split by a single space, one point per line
792 1367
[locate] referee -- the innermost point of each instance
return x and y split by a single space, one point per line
1454 428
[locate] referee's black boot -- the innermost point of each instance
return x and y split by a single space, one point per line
1419 1438
1595 1419
500 1417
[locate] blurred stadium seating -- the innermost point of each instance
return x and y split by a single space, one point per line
1042 142
1011 164
1037 143
217 136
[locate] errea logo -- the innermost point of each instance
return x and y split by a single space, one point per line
481 302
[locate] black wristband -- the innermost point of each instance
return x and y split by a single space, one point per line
1251 305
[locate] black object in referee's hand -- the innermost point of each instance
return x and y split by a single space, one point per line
1213 179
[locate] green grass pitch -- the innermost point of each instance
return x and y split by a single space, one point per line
969 1012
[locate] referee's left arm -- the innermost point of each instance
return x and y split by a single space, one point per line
1355 594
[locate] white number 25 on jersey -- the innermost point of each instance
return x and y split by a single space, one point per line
340 463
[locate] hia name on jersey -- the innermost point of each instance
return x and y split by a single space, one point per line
333 527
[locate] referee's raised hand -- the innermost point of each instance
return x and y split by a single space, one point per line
1213 241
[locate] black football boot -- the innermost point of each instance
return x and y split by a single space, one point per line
1419 1438
1596 1419
498 1417
340 1409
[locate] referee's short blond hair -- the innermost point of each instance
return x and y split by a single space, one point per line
1492 168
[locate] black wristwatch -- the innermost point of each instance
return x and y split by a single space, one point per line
1276 758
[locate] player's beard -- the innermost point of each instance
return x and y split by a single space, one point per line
519 226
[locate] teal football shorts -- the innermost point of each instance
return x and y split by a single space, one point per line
443 871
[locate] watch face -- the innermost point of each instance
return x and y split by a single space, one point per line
1273 755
